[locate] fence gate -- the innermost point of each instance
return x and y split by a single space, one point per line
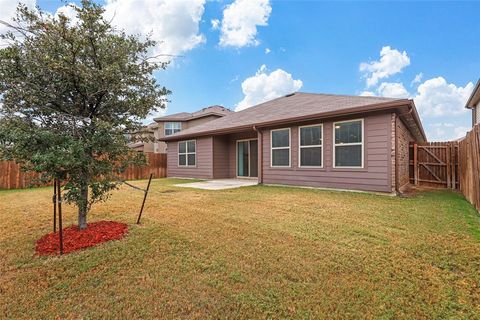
434 164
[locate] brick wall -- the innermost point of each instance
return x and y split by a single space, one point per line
404 137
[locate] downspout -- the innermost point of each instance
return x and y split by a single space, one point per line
260 154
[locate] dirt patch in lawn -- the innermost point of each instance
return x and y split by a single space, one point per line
75 239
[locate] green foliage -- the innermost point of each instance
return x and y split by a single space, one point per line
71 97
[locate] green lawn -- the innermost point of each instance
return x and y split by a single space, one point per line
255 252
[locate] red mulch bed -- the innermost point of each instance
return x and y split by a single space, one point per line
75 239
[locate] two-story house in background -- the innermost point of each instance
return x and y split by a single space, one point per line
474 104
168 125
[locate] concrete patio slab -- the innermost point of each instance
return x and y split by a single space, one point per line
219 184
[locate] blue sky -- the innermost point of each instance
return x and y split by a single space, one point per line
272 47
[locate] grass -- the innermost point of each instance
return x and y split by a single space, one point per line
255 252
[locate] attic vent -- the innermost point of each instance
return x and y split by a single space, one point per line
290 94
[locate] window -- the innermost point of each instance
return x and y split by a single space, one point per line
172 127
187 153
348 144
280 152
310 146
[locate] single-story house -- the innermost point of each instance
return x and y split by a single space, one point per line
304 139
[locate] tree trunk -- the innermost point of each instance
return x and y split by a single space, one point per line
83 208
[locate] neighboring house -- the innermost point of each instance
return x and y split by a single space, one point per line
303 139
146 146
168 125
474 104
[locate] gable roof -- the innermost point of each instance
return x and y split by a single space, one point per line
474 97
186 116
299 107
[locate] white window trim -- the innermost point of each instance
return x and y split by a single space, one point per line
349 144
309 146
186 153
165 128
281 148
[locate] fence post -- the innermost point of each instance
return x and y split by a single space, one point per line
415 163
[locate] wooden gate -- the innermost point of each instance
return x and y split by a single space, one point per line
434 164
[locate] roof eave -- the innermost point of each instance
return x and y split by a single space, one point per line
161 119
351 111
475 93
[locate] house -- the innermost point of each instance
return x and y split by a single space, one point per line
304 139
145 146
168 125
474 104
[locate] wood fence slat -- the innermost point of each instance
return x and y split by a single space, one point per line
434 164
12 177
468 168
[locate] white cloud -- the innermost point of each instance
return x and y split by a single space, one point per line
153 115
264 86
68 11
8 11
391 62
392 90
173 24
240 21
267 50
418 78
389 90
446 131
367 94
436 97
461 132
215 24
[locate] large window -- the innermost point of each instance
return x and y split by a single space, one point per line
310 146
348 144
172 127
187 153
280 152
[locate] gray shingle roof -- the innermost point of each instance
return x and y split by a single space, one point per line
292 106
186 116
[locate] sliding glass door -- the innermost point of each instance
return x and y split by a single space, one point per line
247 158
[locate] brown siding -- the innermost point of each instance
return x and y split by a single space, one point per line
198 121
393 152
203 169
161 147
403 137
221 157
375 176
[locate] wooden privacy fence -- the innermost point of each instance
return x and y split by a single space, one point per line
454 164
435 164
12 177
470 166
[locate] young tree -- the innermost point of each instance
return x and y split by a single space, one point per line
71 95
